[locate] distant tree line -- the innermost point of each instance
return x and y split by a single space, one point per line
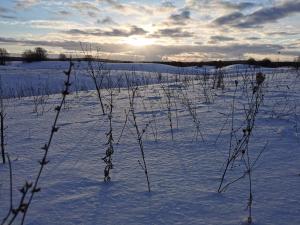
38 54
41 54
266 62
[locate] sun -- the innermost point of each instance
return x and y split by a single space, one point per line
140 42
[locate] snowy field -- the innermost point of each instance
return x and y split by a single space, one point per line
186 130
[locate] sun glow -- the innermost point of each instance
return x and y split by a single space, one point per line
139 41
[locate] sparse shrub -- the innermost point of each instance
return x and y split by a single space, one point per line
193 113
204 80
40 102
218 80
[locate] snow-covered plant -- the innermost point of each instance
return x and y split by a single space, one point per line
192 110
218 81
168 103
132 92
126 112
95 70
29 189
240 150
10 189
40 103
110 138
153 122
207 89
2 125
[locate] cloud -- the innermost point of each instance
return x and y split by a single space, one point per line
128 8
7 17
238 5
84 6
106 20
53 25
4 13
229 19
134 30
220 38
171 32
183 15
168 4
113 3
23 4
219 5
259 17
64 13
283 33
3 10
253 38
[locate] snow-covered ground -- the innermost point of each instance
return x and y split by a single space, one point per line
184 172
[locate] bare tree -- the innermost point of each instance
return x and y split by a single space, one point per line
39 54
3 56
62 57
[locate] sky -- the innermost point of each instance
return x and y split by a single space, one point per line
151 30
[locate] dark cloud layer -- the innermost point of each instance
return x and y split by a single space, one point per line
106 20
239 6
6 13
259 17
181 16
168 4
134 30
221 38
172 32
157 52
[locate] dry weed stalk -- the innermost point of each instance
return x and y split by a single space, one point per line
168 103
95 70
29 189
2 119
110 138
132 92
241 149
